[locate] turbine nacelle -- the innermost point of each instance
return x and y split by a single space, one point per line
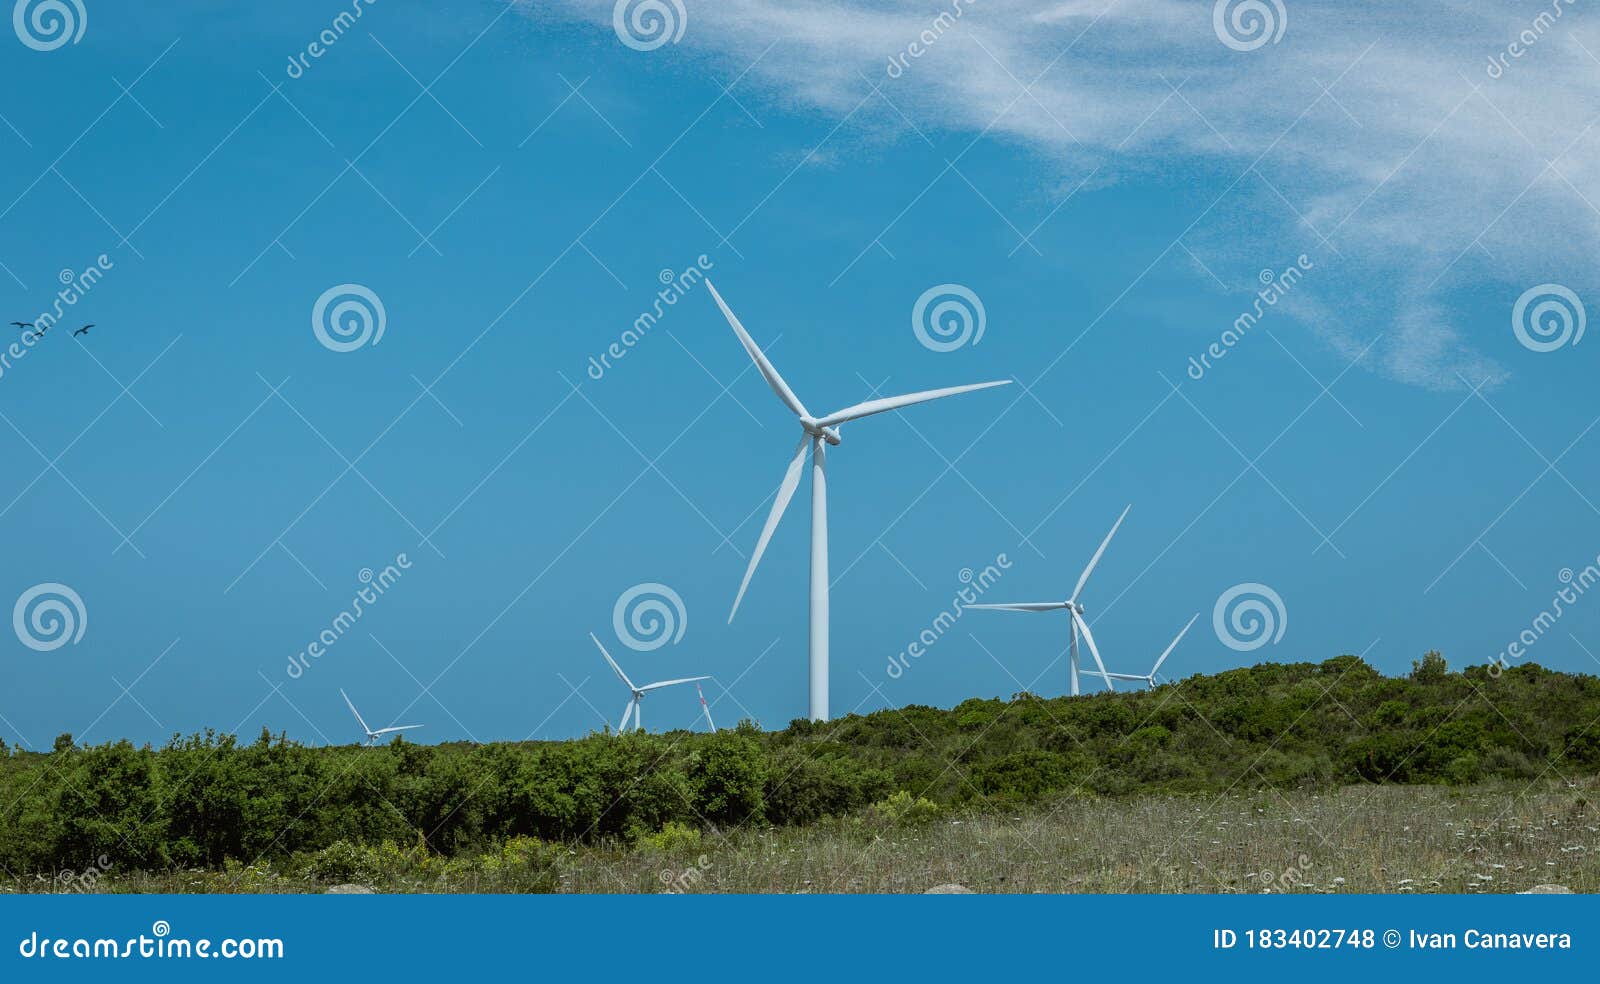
814 427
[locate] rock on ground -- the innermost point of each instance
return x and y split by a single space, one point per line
351 890
1547 890
950 889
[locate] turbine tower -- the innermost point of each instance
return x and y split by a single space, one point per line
637 698
372 736
1071 605
819 432
1151 677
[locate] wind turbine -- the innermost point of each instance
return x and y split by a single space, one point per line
372 736
632 708
706 707
1151 678
1079 626
819 433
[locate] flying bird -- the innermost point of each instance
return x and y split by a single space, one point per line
84 330
23 324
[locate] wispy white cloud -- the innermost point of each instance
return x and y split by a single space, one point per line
1379 137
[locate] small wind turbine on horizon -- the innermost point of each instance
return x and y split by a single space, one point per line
1079 626
1151 677
637 693
373 736
819 432
705 707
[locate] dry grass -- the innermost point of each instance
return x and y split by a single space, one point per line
1360 839
1357 839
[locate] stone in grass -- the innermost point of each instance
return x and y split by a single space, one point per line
948 889
1547 890
351 890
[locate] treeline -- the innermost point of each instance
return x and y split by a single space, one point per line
201 801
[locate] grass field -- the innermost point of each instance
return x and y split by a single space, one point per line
1354 839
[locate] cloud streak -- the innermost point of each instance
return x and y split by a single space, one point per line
1401 143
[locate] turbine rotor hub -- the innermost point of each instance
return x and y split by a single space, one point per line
829 434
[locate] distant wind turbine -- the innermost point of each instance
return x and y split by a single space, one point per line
705 707
372 736
637 698
1071 605
1151 677
819 433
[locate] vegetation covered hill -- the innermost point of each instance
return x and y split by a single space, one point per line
204 801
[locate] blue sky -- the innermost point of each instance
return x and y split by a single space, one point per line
1380 450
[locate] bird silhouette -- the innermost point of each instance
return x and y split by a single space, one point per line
23 324
84 330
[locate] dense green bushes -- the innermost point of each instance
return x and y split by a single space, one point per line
494 810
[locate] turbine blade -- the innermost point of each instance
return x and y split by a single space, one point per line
1084 577
353 710
620 675
1024 606
871 407
669 683
402 727
1172 646
767 369
627 712
791 481
705 707
1094 650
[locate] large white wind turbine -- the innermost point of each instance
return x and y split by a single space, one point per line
1150 678
372 736
819 433
705 707
1071 605
632 707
